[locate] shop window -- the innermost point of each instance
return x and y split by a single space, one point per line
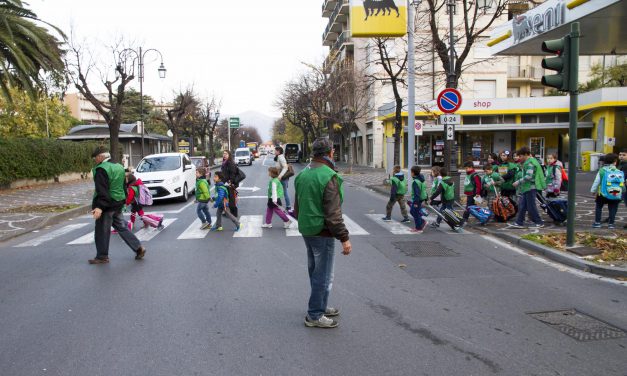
472 119
509 119
513 92
547 118
529 119
536 145
563 118
537 92
490 120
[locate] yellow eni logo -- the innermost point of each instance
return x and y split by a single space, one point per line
378 18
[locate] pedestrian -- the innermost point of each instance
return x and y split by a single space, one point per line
531 182
444 191
132 199
275 194
222 204
491 183
318 208
553 176
609 188
202 198
109 198
283 167
623 167
229 171
398 189
472 189
418 195
507 168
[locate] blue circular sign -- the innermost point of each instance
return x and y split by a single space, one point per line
449 101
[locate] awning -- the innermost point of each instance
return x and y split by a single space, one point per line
507 127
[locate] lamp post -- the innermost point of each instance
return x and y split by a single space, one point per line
139 57
211 147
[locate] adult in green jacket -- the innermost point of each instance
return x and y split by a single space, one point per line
109 198
532 180
318 208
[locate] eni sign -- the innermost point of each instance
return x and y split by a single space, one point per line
534 23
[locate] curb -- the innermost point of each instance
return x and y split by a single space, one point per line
51 220
561 256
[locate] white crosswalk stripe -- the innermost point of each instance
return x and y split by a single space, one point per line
51 235
293 230
394 227
251 227
353 227
85 239
147 233
194 231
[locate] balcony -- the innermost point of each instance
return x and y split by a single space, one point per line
342 40
524 73
327 7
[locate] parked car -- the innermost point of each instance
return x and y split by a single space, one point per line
292 152
202 162
167 175
243 156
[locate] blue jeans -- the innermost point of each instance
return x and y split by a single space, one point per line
415 212
286 193
202 210
320 260
528 203
470 201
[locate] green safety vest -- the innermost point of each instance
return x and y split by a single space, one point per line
504 169
279 188
401 185
423 191
449 189
117 177
494 177
434 187
469 183
539 179
310 185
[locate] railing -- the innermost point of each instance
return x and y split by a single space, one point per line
333 17
343 38
526 71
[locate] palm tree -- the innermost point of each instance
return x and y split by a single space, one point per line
26 48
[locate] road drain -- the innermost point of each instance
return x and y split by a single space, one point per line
424 249
578 325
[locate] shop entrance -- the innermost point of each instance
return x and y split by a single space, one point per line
476 147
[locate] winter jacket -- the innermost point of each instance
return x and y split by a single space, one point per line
229 170
553 176
202 190
281 164
132 192
415 188
221 195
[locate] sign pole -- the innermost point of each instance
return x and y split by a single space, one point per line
572 132
411 95
450 150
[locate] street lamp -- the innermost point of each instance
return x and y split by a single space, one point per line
484 5
139 57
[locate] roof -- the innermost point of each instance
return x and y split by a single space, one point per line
100 131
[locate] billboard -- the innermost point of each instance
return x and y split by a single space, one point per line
378 18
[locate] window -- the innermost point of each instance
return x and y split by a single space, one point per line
472 119
536 145
485 88
563 118
513 92
547 118
481 50
537 92
529 119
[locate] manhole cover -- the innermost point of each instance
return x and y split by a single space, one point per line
424 249
578 325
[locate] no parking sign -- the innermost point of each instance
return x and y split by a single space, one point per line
449 101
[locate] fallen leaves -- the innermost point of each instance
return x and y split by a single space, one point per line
614 248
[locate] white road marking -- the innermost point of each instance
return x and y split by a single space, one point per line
393 226
194 231
251 227
147 233
293 230
85 239
51 235
353 227
240 197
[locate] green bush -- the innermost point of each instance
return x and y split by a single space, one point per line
29 158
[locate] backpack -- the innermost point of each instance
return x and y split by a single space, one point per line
612 183
144 197
449 191
239 177
564 186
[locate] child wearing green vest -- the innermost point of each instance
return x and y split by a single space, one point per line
491 182
508 169
221 202
444 192
532 180
275 194
472 188
418 195
397 194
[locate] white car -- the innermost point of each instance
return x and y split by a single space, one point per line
243 156
167 175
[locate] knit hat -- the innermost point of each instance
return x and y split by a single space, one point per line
99 150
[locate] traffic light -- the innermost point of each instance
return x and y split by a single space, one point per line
560 63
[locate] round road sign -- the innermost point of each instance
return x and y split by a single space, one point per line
449 101
418 125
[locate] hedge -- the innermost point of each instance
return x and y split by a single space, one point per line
29 158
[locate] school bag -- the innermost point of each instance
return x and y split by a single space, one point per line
449 191
503 207
482 214
564 186
144 197
612 183
556 209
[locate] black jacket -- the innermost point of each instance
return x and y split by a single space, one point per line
229 170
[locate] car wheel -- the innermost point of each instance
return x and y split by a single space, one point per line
185 194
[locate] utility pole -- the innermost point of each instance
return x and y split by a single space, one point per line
450 150
411 93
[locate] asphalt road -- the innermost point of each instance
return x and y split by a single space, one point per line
225 305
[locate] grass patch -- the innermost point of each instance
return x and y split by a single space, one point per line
614 248
41 208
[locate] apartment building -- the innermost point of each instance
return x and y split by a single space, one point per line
82 109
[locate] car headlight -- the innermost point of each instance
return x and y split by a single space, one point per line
174 179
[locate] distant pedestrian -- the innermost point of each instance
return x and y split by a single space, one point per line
398 189
507 168
202 198
132 199
532 182
418 195
229 171
109 198
444 193
553 176
318 208
491 183
609 188
222 204
275 194
623 167
283 167
472 189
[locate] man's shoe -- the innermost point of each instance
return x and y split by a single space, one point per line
266 225
322 322
140 253
331 312
406 220
596 225
214 228
386 219
516 225
97 261
537 225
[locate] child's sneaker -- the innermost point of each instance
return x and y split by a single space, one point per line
406 220
238 227
424 224
386 219
516 225
214 228
266 225
611 227
288 224
596 225
205 226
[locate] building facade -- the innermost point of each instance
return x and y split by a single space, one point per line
84 110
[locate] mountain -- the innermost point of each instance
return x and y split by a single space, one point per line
262 122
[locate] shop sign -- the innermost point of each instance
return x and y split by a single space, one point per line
183 146
381 18
537 21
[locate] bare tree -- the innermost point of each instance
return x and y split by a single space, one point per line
178 117
80 64
207 117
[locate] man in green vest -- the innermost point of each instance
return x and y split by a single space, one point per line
318 208
532 180
107 204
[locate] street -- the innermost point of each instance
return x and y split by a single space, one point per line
227 303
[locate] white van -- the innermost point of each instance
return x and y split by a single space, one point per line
167 175
243 156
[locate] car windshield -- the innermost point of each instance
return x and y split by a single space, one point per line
242 153
155 164
291 149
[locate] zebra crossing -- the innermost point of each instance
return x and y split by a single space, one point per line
251 229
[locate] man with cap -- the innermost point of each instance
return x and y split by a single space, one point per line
318 207
107 204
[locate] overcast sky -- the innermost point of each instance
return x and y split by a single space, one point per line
241 50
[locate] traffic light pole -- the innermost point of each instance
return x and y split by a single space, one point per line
572 143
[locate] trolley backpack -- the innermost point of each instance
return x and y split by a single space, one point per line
449 216
556 209
153 220
144 197
503 207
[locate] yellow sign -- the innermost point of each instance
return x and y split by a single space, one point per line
378 18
